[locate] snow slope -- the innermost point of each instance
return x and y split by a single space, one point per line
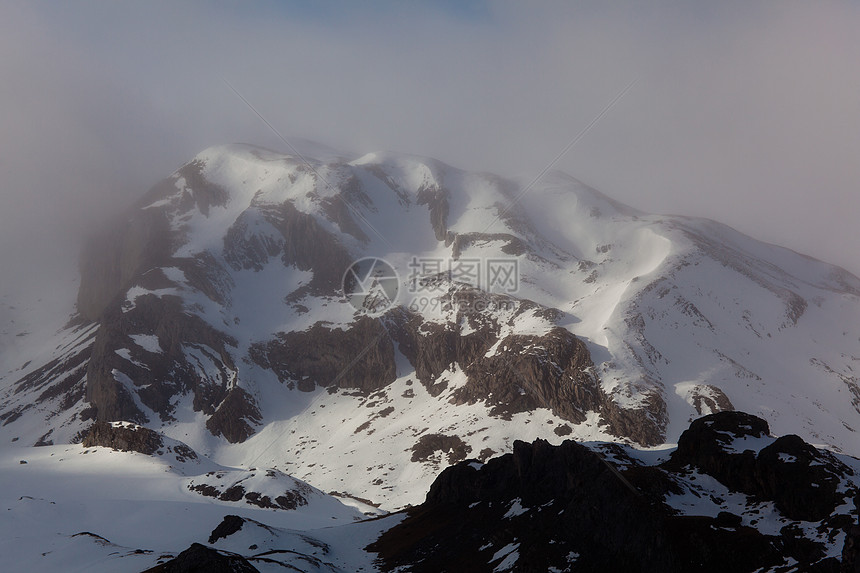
97 509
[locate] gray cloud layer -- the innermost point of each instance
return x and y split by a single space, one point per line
745 113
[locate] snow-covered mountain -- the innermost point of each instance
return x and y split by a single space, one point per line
214 312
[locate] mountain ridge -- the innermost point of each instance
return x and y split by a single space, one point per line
213 312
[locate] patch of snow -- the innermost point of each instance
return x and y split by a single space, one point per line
148 342
515 509
509 555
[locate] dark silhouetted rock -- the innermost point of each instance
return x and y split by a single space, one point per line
559 506
801 480
228 526
201 559
568 507
851 547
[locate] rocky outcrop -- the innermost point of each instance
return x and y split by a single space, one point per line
436 199
228 526
569 507
296 237
199 558
802 481
518 373
268 489
360 357
116 256
545 507
527 372
235 417
429 444
128 437
186 355
122 437
851 550
512 245
708 399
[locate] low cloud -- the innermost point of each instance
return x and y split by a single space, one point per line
744 113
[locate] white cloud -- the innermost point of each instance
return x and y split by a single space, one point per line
745 113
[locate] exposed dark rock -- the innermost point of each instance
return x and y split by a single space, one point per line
205 274
703 446
553 371
228 526
562 430
201 559
709 399
61 382
233 493
291 500
360 357
644 425
576 511
523 373
566 507
301 242
436 198
528 372
429 444
256 498
851 551
205 489
167 373
652 483
199 192
513 246
337 208
97 538
800 479
486 454
231 418
246 248
184 453
125 438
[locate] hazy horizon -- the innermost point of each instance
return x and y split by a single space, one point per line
745 113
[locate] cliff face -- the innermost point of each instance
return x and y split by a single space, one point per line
114 259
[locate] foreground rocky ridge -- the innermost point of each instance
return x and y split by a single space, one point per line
729 498
213 313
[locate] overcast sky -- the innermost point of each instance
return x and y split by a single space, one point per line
743 112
